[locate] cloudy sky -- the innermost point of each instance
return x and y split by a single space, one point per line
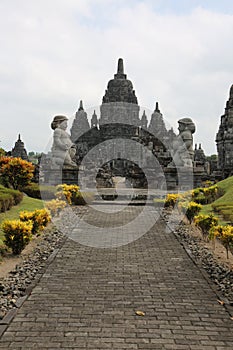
56 52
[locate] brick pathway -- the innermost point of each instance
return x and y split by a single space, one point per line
88 296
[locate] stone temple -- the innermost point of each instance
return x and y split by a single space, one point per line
122 140
19 150
119 119
224 139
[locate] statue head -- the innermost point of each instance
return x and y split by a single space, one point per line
57 120
187 124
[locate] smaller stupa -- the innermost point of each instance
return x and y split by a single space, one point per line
19 150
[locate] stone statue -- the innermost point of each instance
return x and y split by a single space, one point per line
182 148
63 149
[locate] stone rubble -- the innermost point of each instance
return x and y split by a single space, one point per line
219 273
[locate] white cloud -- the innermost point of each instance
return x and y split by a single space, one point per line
54 53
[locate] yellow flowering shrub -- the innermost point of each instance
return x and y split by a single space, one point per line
190 209
225 236
17 234
39 217
205 223
55 206
171 199
67 192
15 172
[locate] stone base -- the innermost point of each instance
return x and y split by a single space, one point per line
59 176
181 179
184 179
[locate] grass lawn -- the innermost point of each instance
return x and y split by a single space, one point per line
223 206
27 203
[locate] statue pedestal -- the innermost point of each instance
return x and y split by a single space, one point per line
179 179
55 177
171 179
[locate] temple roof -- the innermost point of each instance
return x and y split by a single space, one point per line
80 123
231 91
120 89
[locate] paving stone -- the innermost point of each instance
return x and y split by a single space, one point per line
87 298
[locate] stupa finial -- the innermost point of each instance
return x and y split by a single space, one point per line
81 106
120 66
157 107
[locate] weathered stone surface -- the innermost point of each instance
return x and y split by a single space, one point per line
80 124
224 139
157 126
120 119
120 89
19 150
182 147
63 150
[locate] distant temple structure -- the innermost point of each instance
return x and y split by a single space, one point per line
119 108
224 139
122 141
19 150
120 118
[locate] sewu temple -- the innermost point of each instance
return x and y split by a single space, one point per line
121 140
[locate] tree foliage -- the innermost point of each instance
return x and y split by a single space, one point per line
15 172
2 152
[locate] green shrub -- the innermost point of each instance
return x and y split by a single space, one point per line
17 195
40 192
39 218
8 198
212 193
82 198
17 234
205 223
205 195
6 201
198 196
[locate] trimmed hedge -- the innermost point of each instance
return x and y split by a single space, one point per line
40 192
6 201
83 198
8 198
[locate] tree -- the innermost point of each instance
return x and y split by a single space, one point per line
15 172
2 152
212 157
